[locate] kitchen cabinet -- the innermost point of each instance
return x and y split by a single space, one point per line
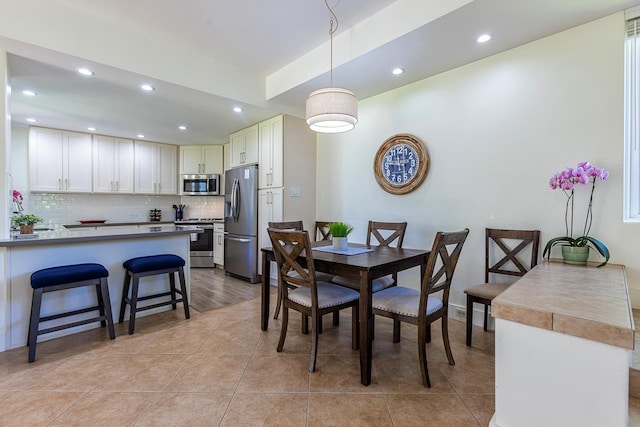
270 149
218 244
270 208
156 167
244 147
112 165
201 159
59 161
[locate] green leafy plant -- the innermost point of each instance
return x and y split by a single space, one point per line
25 219
340 229
566 180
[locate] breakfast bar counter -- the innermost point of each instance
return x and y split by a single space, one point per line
20 256
564 336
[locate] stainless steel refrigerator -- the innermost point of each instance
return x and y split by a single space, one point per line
241 222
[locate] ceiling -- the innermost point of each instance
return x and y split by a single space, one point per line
206 56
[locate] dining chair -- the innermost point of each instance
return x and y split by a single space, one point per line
420 307
501 250
301 291
322 231
298 226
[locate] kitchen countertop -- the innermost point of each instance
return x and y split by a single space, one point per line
584 301
119 224
88 234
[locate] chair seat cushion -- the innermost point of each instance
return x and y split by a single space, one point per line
376 285
487 290
153 262
328 295
67 274
405 301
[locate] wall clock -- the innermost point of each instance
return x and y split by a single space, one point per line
401 164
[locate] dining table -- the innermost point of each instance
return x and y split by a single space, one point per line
377 261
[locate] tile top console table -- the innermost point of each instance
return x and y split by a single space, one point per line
564 336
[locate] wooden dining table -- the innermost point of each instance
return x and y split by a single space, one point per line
364 267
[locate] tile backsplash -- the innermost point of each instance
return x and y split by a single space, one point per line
60 208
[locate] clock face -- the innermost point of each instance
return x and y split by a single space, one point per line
401 164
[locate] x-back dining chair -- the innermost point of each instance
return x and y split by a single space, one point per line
301 291
322 231
422 308
501 250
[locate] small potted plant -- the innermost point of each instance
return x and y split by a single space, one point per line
25 222
339 232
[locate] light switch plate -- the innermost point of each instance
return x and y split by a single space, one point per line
294 192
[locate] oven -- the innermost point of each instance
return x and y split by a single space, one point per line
202 244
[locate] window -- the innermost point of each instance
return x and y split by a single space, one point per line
632 117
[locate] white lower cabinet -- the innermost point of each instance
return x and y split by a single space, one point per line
270 208
218 244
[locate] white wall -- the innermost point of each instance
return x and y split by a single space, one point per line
496 130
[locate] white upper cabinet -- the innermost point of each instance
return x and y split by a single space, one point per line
112 165
271 139
201 159
244 147
155 168
59 161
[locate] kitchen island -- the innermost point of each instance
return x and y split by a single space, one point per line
20 256
564 336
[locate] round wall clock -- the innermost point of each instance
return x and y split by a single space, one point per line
401 164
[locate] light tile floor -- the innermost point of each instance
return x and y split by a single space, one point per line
219 368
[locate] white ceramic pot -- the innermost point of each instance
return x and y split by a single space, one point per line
339 243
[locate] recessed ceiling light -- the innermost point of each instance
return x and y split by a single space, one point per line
29 92
92 129
237 109
182 127
85 72
140 135
31 120
484 38
397 71
147 87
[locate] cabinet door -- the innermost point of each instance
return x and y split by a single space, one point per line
212 158
45 159
237 149
123 167
271 152
104 166
251 145
76 162
270 208
218 250
167 169
191 160
144 170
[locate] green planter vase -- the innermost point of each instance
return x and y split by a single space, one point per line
577 255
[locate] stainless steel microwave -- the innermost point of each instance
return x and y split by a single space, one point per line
200 185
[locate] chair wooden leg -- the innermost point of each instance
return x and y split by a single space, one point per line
314 341
486 316
469 319
355 327
125 295
172 290
396 330
105 309
32 338
183 292
445 339
283 327
278 303
422 353
305 324
98 287
336 318
133 304
428 334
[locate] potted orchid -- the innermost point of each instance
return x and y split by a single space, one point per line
575 250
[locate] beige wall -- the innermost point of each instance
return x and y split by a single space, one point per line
496 131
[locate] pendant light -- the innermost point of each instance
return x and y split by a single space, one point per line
332 109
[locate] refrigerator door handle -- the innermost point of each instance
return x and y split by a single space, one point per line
236 195
234 200
237 239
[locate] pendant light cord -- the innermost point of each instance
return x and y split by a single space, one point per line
331 31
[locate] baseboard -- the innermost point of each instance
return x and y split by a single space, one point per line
459 312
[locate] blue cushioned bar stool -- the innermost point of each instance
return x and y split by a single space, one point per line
151 266
68 277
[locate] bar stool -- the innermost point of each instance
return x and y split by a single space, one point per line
68 277
135 268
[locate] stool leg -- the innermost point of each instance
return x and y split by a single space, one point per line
36 303
103 323
183 288
172 289
125 294
133 303
105 308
